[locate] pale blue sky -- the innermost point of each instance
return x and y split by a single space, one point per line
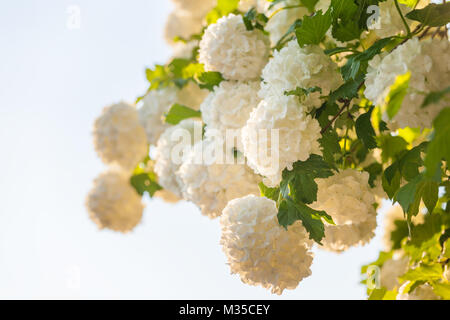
53 83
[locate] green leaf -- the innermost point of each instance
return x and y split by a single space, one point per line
442 289
409 3
179 112
365 131
302 93
330 146
439 146
313 28
396 94
254 20
299 182
145 182
433 15
348 90
391 146
374 170
345 20
357 62
271 193
435 97
290 212
223 8
208 80
423 272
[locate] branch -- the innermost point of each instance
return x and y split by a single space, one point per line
346 104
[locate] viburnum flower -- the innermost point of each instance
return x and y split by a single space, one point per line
118 136
157 102
422 292
113 203
229 48
298 137
259 249
346 196
339 238
229 106
174 144
280 22
348 199
182 25
194 7
211 183
307 67
391 270
427 61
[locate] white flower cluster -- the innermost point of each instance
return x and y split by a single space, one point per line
307 67
391 270
118 136
429 64
229 48
167 164
229 106
298 136
113 203
348 199
157 102
259 249
213 183
422 292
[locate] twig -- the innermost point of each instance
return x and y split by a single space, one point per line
408 31
346 104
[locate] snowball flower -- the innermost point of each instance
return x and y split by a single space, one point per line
197 8
174 144
183 25
157 102
259 249
210 184
113 203
422 292
339 238
298 134
429 64
346 196
391 270
118 136
348 199
229 106
307 67
229 48
280 22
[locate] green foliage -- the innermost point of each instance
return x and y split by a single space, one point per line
298 189
179 112
313 28
254 20
397 93
145 182
302 93
439 147
270 193
435 97
433 15
357 62
223 8
365 131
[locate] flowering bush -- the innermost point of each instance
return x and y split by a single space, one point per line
336 105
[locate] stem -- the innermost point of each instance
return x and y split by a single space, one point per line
281 9
408 31
346 104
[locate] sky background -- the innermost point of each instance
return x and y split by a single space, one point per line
54 82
